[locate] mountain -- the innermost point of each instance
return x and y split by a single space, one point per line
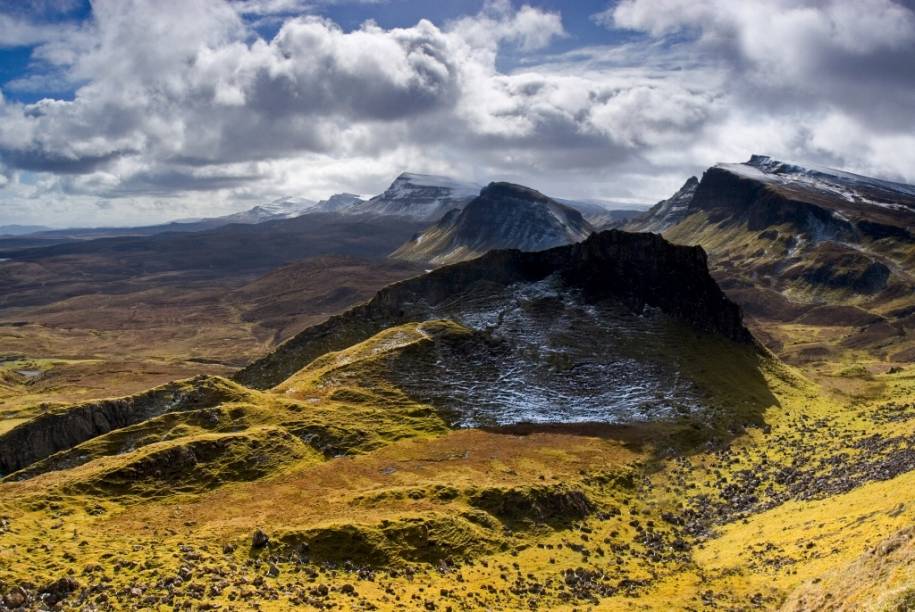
421 197
805 245
503 216
638 271
339 202
282 208
604 214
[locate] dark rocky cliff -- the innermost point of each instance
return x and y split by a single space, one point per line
637 270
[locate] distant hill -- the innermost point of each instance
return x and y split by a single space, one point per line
19 230
503 216
422 197
49 273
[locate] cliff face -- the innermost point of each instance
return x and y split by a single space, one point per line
729 198
667 212
55 431
635 270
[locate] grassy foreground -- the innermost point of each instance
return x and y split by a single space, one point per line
336 490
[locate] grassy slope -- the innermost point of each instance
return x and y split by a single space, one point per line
757 261
556 517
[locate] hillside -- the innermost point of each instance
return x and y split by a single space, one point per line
637 270
820 259
503 216
121 315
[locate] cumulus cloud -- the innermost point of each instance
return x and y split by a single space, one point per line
185 103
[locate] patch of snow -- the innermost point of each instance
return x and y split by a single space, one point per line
557 359
852 188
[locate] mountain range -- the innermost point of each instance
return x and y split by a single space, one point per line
420 197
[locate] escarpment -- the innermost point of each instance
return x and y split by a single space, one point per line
638 271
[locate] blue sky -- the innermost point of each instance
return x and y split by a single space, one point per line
16 61
136 111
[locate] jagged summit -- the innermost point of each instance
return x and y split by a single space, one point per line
503 216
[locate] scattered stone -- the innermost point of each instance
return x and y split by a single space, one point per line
259 539
16 598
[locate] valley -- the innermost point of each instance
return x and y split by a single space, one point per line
100 318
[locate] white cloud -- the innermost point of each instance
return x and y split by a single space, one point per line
181 108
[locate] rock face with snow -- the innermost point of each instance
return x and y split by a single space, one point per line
818 199
282 208
667 212
338 203
628 273
421 197
503 216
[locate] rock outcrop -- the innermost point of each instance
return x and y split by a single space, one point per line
638 271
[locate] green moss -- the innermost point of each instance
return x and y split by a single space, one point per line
192 464
416 538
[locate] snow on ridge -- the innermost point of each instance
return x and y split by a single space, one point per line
853 188
460 188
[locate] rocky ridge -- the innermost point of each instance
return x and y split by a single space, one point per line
637 270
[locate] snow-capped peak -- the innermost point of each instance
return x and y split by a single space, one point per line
281 208
419 196
413 180
850 187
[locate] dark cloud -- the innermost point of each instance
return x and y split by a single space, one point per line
38 160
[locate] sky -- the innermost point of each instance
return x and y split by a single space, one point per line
120 112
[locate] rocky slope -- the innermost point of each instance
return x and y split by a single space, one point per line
805 245
503 216
639 271
666 213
